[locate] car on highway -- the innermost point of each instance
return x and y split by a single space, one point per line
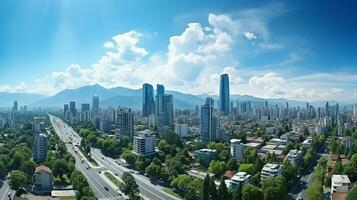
106 188
116 174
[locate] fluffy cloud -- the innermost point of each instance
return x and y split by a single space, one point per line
250 35
22 87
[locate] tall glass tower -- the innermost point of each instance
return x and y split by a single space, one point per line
224 95
148 100
95 104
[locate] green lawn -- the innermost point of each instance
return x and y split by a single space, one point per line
64 181
170 191
67 198
114 180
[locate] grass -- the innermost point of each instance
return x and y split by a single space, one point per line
89 158
170 191
114 180
64 181
67 198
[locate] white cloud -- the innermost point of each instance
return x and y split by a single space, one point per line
22 87
109 45
250 35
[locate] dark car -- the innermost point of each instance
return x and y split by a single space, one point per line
106 188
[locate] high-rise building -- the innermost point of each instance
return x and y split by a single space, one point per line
72 108
167 113
65 110
224 101
237 149
144 143
125 122
16 107
148 100
85 107
95 104
209 122
40 148
160 92
355 112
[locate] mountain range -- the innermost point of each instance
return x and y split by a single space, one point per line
121 96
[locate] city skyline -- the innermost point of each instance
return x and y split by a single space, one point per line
254 43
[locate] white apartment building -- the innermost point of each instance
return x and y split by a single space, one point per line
294 156
340 183
238 178
271 170
307 143
181 129
40 147
144 143
237 150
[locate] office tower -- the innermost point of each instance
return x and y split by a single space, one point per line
144 143
208 121
355 112
72 108
148 100
160 92
40 148
85 107
95 104
224 95
327 109
15 108
167 113
125 122
65 110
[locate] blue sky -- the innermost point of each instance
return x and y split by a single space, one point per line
292 49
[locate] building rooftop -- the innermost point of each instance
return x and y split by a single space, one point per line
271 166
207 150
340 179
235 141
42 168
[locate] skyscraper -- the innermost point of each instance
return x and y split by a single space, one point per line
148 100
72 108
224 95
355 112
167 110
15 108
208 123
160 92
65 110
95 104
125 122
85 107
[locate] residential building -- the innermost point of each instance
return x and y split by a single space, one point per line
205 156
181 129
40 148
237 150
340 183
224 102
294 156
125 122
307 143
271 170
238 178
144 143
43 180
209 122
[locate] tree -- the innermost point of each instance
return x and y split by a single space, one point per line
352 194
212 192
249 168
205 188
17 179
238 193
28 167
181 183
60 168
222 192
217 167
232 164
129 157
251 192
2 169
290 173
129 186
153 171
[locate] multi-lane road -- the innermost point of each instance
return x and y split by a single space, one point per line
5 191
147 189
100 187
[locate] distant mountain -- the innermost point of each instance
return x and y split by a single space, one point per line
7 98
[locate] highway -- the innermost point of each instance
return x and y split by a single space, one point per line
5 189
100 187
147 189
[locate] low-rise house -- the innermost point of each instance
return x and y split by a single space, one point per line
271 170
294 156
205 155
43 180
340 184
239 178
